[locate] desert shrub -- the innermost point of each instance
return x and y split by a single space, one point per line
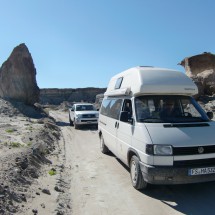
10 130
29 144
52 172
15 144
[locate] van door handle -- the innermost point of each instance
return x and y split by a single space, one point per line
102 123
116 125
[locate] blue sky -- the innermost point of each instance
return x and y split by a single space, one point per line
83 43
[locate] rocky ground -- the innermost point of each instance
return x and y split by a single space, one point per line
207 103
32 171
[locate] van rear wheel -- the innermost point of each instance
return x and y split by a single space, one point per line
70 121
136 174
103 148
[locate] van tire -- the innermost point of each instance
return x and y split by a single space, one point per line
70 121
136 174
103 148
75 126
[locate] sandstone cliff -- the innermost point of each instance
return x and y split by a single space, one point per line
201 68
18 77
57 96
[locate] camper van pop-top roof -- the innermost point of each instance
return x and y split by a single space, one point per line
151 80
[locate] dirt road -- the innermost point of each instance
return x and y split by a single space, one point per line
100 184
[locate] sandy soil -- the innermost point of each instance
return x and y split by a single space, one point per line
33 177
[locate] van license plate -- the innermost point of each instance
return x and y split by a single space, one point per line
201 171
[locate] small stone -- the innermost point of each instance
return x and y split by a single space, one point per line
35 211
61 205
17 159
23 197
24 163
46 191
61 166
58 189
43 205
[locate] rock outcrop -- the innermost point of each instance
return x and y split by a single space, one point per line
201 68
57 96
18 77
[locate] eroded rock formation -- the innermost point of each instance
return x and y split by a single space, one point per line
18 77
201 68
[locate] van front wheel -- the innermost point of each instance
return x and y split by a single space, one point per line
75 125
136 174
103 148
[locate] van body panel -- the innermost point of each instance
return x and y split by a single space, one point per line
140 138
109 132
163 160
194 157
182 137
129 135
124 140
159 82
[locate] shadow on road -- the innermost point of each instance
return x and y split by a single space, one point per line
195 199
126 167
61 124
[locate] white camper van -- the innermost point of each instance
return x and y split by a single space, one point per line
151 122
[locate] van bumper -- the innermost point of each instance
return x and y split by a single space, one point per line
172 175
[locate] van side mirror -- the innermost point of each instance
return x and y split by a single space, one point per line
124 117
210 115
